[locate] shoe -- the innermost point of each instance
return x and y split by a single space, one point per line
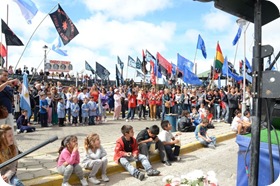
94 180
167 163
178 158
126 120
219 121
140 176
18 131
84 182
153 172
25 131
211 146
105 177
65 184
50 125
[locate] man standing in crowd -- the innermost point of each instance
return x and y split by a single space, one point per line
36 97
7 96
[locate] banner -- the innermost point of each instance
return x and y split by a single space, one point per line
64 26
58 66
10 37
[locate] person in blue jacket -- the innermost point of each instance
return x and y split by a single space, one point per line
61 112
75 109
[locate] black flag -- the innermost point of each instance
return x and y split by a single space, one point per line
10 37
101 71
144 63
64 26
88 67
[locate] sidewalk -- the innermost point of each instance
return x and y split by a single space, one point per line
39 167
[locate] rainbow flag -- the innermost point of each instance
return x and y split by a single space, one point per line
219 58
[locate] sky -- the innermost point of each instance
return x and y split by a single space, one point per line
111 28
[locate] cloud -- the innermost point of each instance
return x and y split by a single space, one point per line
216 21
126 9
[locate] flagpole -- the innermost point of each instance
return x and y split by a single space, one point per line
6 43
195 64
126 71
43 60
33 35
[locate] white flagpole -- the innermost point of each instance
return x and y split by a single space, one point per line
195 64
32 35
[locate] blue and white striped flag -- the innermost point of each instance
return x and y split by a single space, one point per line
24 97
28 9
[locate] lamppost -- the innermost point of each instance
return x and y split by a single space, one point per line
45 48
242 23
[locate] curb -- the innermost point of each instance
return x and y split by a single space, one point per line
113 168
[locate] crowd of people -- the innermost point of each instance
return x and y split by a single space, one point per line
59 105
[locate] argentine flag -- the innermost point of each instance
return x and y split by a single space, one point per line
24 97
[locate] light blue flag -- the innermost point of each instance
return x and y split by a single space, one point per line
237 36
56 47
131 62
28 9
249 78
183 62
24 97
201 45
138 63
225 69
174 67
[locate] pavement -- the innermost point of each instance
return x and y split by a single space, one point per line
39 167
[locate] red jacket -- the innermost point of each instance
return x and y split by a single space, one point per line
131 100
119 149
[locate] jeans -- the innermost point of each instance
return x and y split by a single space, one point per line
91 120
44 119
142 110
205 143
158 110
217 110
165 110
125 162
36 113
187 107
68 112
130 114
15 181
68 170
170 153
95 165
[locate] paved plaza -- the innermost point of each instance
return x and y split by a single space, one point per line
41 164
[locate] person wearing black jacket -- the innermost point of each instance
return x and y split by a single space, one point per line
232 103
148 136
23 124
185 123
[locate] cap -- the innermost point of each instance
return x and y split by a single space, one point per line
116 90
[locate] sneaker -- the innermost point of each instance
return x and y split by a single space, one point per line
65 184
105 177
211 146
94 180
167 163
126 120
84 182
50 125
18 131
153 172
178 158
25 131
139 175
218 120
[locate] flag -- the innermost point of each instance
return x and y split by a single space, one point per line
149 57
248 66
183 62
10 37
88 67
144 63
153 76
138 63
119 78
219 58
120 63
3 51
190 78
64 26
2 60
24 97
237 36
201 45
101 71
164 63
131 62
139 74
174 68
28 9
225 68
56 47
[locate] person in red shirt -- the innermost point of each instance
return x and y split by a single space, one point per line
207 114
141 101
131 105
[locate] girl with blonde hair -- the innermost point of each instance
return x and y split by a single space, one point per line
95 158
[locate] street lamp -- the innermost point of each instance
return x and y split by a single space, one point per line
45 48
241 23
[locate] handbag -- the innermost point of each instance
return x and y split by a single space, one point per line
167 104
3 112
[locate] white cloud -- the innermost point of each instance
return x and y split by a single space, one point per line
216 21
126 9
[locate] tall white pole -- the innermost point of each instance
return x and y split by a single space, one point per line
244 73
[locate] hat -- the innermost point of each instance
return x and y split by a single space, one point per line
116 90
